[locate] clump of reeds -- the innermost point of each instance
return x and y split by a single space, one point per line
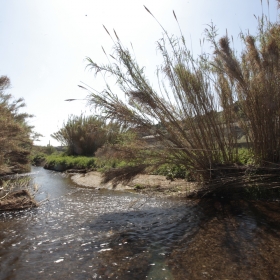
15 133
198 113
83 135
255 79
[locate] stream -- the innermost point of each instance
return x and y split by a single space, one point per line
81 233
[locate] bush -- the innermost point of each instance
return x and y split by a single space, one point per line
172 171
246 156
84 135
38 159
62 163
15 133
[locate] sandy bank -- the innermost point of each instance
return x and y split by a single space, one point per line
147 184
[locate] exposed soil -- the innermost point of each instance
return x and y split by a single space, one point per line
148 184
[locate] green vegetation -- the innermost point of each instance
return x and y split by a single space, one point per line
62 163
39 154
83 135
38 159
172 171
15 133
200 109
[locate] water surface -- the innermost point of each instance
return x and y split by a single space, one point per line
89 234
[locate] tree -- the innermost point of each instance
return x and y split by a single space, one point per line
15 133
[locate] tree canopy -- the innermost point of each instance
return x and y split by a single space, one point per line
15 132
83 135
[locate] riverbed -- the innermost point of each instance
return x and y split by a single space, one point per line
80 233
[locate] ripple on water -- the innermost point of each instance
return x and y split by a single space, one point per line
74 233
88 234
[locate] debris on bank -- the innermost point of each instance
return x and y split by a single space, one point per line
17 200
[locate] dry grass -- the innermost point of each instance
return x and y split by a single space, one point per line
17 193
15 133
200 103
17 200
255 79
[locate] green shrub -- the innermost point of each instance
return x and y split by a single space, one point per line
69 162
38 158
245 156
173 171
83 135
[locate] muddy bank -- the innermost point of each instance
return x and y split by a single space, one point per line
147 184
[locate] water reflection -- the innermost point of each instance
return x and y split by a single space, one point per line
71 235
51 184
88 234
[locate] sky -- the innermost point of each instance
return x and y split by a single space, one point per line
44 44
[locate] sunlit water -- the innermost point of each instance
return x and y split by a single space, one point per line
89 234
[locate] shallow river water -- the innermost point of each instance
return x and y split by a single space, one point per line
98 234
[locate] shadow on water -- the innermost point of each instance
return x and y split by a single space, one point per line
236 240
141 241
69 236
89 234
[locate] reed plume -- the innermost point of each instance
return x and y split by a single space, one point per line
202 107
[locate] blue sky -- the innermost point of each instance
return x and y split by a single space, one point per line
44 44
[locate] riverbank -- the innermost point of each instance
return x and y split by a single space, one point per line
17 192
159 186
155 185
17 200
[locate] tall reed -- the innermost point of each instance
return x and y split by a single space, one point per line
83 135
201 104
255 79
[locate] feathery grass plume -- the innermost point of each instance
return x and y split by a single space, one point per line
190 130
202 103
255 79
